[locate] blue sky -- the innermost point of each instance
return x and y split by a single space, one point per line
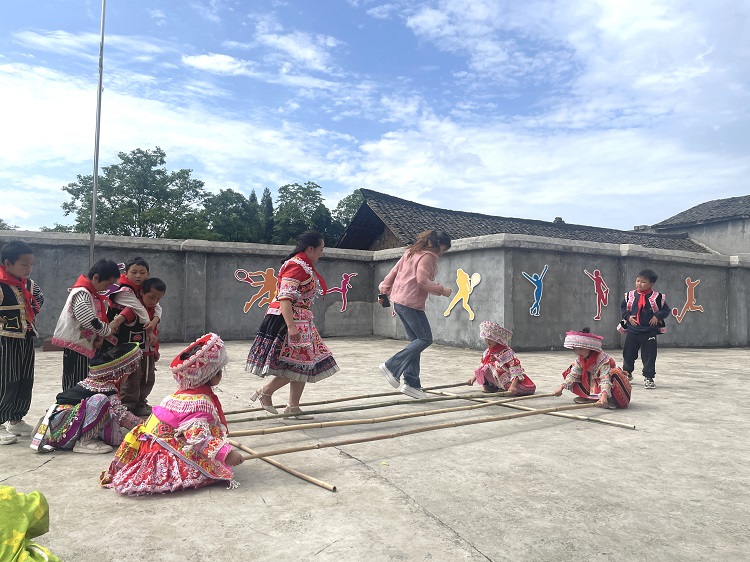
605 113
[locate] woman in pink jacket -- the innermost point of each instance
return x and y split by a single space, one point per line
408 285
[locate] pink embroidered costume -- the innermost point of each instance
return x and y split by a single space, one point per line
183 444
500 367
595 374
272 354
91 411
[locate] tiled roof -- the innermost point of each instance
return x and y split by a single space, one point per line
407 219
710 211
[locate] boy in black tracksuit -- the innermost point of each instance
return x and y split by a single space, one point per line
643 313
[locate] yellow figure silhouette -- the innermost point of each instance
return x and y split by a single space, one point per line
465 287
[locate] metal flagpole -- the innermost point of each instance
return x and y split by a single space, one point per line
96 139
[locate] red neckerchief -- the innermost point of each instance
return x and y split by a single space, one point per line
303 257
28 298
123 280
497 348
85 282
586 364
641 304
207 390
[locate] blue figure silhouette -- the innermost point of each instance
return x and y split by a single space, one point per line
538 282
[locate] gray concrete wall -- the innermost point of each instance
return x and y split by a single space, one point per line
727 237
203 294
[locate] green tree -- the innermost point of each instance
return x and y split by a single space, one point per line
231 217
140 197
266 217
57 228
296 206
5 226
348 207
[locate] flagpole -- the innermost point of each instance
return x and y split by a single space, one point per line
96 139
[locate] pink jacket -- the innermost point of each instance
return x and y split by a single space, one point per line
412 279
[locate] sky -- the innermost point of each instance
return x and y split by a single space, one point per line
605 113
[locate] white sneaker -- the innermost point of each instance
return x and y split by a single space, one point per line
417 393
19 428
92 447
6 438
390 377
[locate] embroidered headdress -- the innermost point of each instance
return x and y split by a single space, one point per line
193 368
584 340
108 368
495 332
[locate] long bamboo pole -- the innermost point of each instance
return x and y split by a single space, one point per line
357 408
348 398
557 414
447 425
370 421
285 468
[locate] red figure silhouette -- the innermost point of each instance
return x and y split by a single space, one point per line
690 304
267 285
345 286
601 290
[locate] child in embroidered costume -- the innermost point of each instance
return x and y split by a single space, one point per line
83 324
20 301
593 376
643 321
287 346
88 417
23 517
137 298
183 443
500 369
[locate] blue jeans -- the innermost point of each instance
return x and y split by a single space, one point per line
406 361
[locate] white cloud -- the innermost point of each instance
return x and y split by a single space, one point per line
159 16
308 51
381 12
219 64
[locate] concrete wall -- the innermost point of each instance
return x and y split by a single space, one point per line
203 294
727 237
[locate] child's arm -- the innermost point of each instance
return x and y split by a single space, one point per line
155 320
83 311
38 300
127 299
572 375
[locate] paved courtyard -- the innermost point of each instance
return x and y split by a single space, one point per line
536 488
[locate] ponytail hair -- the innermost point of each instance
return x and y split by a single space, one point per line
430 240
304 241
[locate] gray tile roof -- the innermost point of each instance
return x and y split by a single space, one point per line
711 211
407 219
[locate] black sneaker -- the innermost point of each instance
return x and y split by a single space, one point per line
650 384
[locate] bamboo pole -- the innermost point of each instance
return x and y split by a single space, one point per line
285 468
557 414
447 425
370 421
349 398
360 407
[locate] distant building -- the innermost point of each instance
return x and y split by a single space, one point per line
384 221
722 224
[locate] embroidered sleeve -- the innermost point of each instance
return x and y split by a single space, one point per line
572 375
605 383
203 437
38 301
624 312
127 299
288 289
507 362
126 418
83 310
514 368
663 312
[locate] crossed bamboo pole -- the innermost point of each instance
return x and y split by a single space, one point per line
423 429
507 404
383 419
284 467
349 398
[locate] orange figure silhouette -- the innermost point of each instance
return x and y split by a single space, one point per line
690 304
343 289
267 285
601 290
465 285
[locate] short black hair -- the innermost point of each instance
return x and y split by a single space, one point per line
648 274
105 269
138 260
153 283
14 250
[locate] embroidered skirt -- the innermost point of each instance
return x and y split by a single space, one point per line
503 380
272 354
91 418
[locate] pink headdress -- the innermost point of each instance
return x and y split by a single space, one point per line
196 369
584 340
495 332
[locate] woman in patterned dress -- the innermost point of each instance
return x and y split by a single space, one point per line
287 346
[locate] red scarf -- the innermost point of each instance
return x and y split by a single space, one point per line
641 305
28 298
586 364
208 391
497 348
85 282
123 280
303 257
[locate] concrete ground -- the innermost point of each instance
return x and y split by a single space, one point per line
536 488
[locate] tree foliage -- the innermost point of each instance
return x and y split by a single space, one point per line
5 226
